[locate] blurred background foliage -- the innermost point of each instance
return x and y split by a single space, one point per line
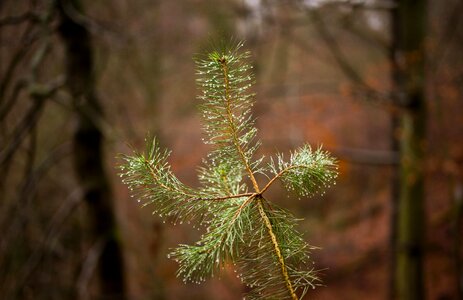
81 79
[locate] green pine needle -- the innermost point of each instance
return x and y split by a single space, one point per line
242 228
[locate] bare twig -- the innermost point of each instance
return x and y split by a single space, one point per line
449 32
36 60
16 59
367 37
8 105
39 93
362 89
93 26
20 132
12 220
360 4
18 19
335 50
366 156
54 228
88 268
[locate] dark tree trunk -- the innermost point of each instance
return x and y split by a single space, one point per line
394 203
395 148
88 152
411 18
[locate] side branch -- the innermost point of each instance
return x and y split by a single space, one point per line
190 196
226 197
158 181
281 174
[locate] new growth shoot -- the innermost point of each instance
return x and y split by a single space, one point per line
242 227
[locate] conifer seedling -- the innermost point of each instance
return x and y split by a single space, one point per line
243 230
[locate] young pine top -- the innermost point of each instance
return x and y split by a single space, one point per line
242 227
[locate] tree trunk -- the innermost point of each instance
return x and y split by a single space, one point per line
395 148
411 20
88 152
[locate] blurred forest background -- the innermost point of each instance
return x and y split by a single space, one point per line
378 83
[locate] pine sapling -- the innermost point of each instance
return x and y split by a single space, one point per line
242 228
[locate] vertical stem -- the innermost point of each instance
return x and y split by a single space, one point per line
281 261
233 127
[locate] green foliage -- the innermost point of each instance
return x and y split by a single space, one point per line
225 79
307 171
150 178
242 228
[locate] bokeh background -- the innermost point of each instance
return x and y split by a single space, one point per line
82 80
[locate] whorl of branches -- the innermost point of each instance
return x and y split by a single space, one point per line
242 228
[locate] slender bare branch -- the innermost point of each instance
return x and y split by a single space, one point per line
18 19
39 93
93 26
15 60
9 103
361 4
362 89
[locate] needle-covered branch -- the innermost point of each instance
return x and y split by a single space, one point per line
150 178
274 262
219 246
306 172
242 229
225 80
